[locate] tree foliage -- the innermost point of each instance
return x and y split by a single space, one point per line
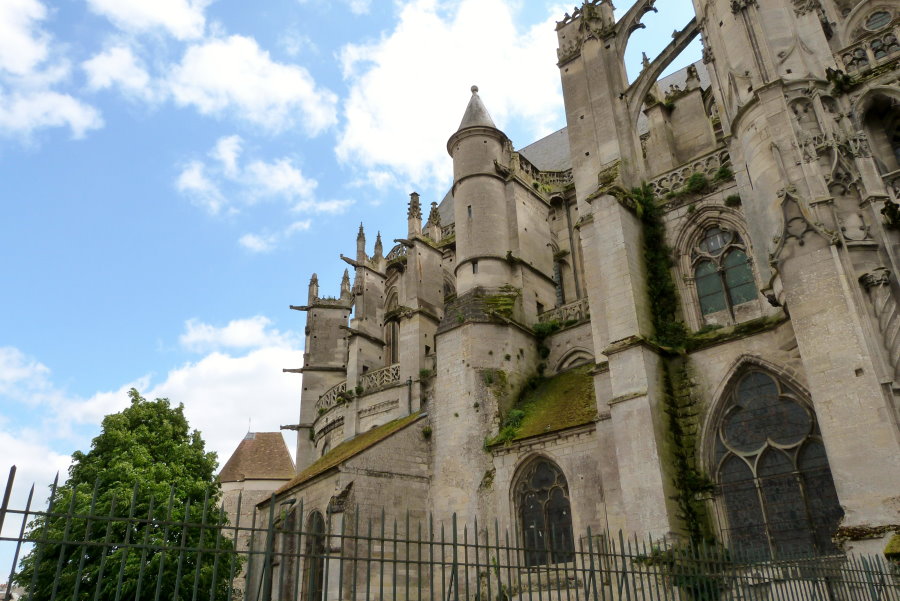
130 504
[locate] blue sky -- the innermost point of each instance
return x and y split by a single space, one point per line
172 172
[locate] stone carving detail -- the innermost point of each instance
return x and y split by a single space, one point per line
802 7
871 51
878 285
796 224
381 377
739 5
329 399
579 310
415 207
675 179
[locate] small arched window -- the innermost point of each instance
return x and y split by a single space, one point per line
545 514
314 559
722 272
774 482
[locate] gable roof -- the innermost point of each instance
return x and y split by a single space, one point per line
349 449
260 456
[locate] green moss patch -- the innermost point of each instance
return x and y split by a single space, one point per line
349 449
548 405
892 551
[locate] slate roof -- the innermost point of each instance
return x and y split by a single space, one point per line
260 456
349 449
476 114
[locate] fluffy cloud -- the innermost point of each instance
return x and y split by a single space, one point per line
253 332
117 66
193 183
518 81
250 181
182 19
22 45
235 76
29 73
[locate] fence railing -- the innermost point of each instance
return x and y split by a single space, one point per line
287 552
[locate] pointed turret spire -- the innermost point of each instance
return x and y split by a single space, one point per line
313 289
361 244
434 216
345 285
476 114
379 250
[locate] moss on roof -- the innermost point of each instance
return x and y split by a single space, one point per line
349 449
563 401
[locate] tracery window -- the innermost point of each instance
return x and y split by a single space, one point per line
774 481
722 272
314 559
545 514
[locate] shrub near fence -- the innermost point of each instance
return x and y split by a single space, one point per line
292 557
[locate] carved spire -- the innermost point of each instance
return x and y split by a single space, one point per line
345 285
361 244
434 216
414 216
313 289
379 250
415 207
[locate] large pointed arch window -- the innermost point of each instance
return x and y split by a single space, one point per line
722 272
775 487
314 559
545 514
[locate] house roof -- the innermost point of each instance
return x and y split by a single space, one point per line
349 449
260 456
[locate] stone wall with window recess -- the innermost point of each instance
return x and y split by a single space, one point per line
726 288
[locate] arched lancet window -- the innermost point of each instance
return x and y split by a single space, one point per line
545 514
314 559
290 537
722 272
392 330
774 484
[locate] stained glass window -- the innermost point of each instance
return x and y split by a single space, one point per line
774 482
545 513
722 272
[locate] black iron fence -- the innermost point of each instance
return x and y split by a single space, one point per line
139 550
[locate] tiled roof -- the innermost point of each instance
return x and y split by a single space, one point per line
348 449
260 456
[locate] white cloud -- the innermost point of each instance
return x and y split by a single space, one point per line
357 7
234 75
391 127
182 19
193 182
279 178
258 243
252 332
293 43
28 73
24 113
117 66
226 151
22 45
250 181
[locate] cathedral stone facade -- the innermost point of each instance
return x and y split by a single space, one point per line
676 316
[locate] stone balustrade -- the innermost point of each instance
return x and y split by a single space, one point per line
448 230
871 51
579 311
380 378
708 164
398 252
329 399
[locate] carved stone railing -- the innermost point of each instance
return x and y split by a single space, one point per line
329 399
380 378
675 179
557 179
397 252
892 183
577 311
448 230
871 51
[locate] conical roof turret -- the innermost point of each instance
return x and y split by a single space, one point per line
476 114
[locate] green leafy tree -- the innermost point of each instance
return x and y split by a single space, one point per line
140 514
